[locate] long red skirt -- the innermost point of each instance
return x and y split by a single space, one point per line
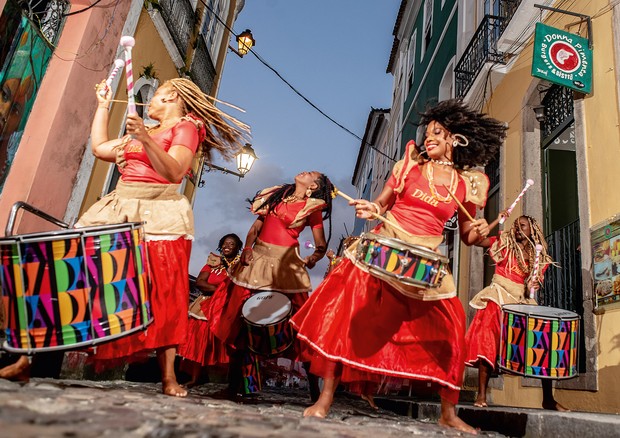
483 336
168 262
370 330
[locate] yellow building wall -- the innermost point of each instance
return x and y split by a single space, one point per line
602 157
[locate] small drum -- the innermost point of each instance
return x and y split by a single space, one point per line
392 259
194 292
538 341
266 315
72 288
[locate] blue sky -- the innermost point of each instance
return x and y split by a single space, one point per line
335 53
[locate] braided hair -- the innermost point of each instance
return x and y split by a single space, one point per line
222 131
324 191
484 134
513 251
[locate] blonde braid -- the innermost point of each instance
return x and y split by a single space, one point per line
223 132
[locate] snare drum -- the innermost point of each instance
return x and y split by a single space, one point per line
266 315
392 259
73 288
538 341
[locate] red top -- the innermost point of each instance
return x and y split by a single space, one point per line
139 167
217 275
418 212
275 228
515 273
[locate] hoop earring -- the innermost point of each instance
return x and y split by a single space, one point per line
461 141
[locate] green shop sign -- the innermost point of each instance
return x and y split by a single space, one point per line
562 58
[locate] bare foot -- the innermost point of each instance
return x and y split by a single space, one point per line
371 400
18 371
318 409
458 424
554 406
481 403
191 383
172 388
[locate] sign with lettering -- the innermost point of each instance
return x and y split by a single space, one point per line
562 58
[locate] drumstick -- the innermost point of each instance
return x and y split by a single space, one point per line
373 214
128 42
463 209
535 271
118 64
528 184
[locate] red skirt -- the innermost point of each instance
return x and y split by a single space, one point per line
483 336
226 322
168 262
370 330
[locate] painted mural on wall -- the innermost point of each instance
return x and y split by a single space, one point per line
20 79
606 262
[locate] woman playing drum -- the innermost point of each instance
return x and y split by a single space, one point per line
363 328
514 255
201 348
152 163
270 260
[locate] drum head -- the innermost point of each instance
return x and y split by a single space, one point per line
544 312
264 308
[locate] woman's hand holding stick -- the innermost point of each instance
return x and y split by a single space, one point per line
372 213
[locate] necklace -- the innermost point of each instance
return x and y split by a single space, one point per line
445 163
433 189
291 198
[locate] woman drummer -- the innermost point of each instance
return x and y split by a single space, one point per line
514 255
152 163
362 328
201 348
270 261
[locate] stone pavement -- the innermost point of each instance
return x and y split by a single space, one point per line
82 408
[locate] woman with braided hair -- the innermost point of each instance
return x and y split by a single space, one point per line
514 253
363 328
152 163
270 261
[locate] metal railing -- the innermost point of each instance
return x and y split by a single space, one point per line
180 19
507 9
562 287
481 49
202 70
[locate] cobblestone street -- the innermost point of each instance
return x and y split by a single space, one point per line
55 408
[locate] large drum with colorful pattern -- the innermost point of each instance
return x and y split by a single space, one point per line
538 341
392 259
266 315
73 288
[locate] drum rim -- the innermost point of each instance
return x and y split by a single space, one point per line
418 249
252 323
574 317
534 376
69 233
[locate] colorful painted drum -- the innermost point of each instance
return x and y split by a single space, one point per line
392 259
266 315
73 288
538 341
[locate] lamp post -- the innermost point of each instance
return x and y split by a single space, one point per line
244 159
245 41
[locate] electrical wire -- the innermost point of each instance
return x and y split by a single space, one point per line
295 90
82 10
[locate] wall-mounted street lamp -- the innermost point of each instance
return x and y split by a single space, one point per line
245 41
244 159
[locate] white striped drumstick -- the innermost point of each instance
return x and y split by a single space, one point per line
118 64
535 271
128 42
528 184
